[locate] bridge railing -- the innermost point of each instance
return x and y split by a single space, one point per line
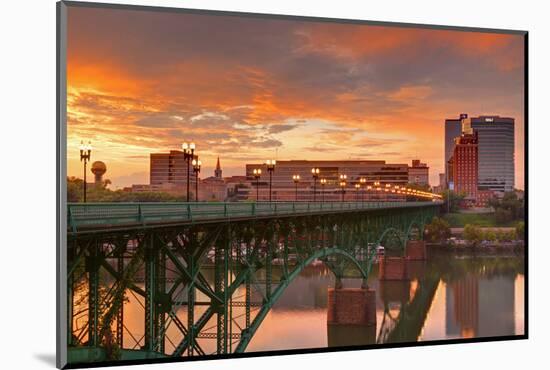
107 215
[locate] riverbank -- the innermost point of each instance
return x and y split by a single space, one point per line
457 220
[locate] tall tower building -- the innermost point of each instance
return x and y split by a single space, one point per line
218 170
495 149
453 129
464 164
496 169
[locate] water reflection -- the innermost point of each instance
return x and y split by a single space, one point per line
448 296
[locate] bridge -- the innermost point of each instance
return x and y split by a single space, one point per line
207 274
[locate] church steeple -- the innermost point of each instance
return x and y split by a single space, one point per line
218 171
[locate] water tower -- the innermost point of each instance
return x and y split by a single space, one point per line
98 169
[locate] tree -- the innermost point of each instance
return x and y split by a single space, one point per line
508 208
520 230
101 193
490 235
438 230
503 216
452 200
473 233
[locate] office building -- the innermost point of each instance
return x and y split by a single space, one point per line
495 149
464 165
496 152
419 173
170 168
453 129
283 187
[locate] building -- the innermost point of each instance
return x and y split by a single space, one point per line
238 188
171 168
419 173
283 187
496 152
453 129
442 184
463 165
213 188
495 149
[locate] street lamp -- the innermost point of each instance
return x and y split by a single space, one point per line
270 163
197 169
188 154
315 173
257 174
85 155
363 181
369 188
343 181
296 179
357 187
323 183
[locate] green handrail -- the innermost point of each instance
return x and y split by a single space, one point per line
93 216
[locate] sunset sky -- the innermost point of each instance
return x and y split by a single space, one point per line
249 89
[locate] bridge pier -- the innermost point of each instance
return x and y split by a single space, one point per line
392 268
350 335
415 250
351 306
395 290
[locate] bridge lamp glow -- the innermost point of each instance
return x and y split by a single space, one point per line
257 172
270 164
388 185
296 179
315 173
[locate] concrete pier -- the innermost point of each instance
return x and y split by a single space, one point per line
415 250
351 306
392 268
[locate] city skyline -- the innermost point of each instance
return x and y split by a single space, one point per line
263 89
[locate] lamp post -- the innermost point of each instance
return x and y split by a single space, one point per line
357 188
315 173
296 179
363 181
270 163
257 174
369 188
197 169
188 154
343 181
323 183
85 155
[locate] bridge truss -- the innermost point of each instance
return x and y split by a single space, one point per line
206 287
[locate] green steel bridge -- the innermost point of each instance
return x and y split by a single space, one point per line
207 274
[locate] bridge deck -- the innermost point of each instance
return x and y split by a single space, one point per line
104 216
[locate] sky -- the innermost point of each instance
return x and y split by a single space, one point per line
250 89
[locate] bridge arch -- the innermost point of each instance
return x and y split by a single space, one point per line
276 294
397 232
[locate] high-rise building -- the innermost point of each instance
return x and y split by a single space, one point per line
496 152
464 165
419 173
170 168
495 149
453 129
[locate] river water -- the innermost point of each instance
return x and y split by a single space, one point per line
451 295
467 295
